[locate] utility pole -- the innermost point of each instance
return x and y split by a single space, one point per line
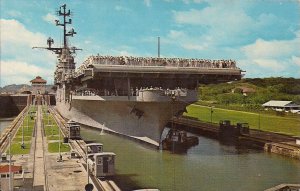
48 113
211 113
59 157
158 47
22 145
87 165
9 168
27 120
259 120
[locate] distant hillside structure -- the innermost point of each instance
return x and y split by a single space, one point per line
244 90
282 106
38 85
25 90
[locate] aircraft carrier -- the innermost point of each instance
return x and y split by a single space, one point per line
131 96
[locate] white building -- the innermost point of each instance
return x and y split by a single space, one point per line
4 176
282 106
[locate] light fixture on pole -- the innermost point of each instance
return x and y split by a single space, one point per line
27 119
22 145
87 165
9 168
59 157
48 113
211 113
259 120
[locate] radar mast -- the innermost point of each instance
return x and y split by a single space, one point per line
65 65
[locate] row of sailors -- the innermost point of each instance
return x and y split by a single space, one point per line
150 61
133 92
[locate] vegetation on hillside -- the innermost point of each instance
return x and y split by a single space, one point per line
17 88
231 95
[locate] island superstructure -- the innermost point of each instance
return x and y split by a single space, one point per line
132 96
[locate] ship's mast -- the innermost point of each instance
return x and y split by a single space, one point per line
65 65
65 68
62 12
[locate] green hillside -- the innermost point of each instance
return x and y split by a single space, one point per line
258 91
241 101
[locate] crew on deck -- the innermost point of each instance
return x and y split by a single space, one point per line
150 61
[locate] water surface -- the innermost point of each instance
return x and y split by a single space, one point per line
4 123
207 166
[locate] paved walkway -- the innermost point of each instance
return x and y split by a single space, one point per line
39 173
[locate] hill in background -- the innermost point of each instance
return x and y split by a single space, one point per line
17 88
249 94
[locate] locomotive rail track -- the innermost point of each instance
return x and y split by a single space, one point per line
79 147
12 130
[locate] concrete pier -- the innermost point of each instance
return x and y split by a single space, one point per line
39 170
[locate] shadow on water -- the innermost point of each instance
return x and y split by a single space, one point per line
125 182
225 146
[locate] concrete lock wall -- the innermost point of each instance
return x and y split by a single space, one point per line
12 105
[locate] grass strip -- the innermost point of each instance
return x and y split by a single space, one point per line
265 122
53 147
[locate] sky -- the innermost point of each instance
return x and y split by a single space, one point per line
263 36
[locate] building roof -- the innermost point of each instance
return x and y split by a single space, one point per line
38 79
247 89
5 169
274 103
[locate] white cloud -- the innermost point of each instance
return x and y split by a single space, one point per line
271 49
121 8
50 18
215 25
225 26
14 13
147 3
189 46
194 1
13 32
18 56
280 57
87 42
219 31
17 42
270 64
215 17
18 72
175 34
296 60
199 1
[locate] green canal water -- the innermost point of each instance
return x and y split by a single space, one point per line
208 166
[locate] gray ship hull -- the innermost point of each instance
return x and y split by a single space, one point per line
121 117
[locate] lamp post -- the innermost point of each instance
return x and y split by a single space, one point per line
211 113
27 119
259 119
48 113
22 145
60 157
51 128
87 165
9 168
